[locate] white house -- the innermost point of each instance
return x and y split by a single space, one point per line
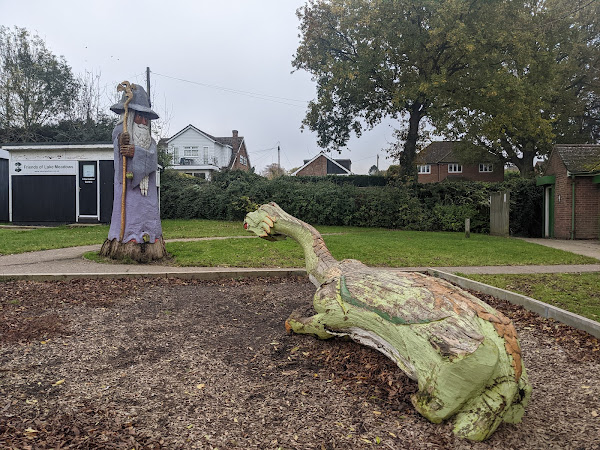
197 153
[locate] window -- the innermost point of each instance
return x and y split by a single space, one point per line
89 171
196 174
243 160
205 155
175 155
191 150
454 168
424 169
485 167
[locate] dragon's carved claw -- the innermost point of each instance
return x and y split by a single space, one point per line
265 226
261 224
268 221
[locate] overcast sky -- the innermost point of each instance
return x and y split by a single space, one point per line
218 65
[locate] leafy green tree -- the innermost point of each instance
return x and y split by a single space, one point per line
36 87
41 100
165 159
537 86
373 59
574 27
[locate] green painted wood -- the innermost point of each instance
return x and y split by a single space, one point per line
548 179
463 354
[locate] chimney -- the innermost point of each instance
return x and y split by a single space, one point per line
234 141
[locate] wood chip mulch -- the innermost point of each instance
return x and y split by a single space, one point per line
175 364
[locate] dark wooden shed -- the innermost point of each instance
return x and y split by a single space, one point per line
56 183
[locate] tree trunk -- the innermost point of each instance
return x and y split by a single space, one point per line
407 158
133 251
527 169
524 162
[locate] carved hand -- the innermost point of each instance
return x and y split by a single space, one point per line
125 148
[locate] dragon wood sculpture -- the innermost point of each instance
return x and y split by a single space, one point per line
463 354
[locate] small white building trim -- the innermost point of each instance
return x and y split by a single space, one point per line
59 182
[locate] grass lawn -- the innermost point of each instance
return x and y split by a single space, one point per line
575 292
20 240
375 247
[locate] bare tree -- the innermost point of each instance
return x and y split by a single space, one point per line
273 171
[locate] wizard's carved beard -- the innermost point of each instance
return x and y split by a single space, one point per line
141 135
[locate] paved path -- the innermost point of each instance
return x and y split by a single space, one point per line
70 262
589 248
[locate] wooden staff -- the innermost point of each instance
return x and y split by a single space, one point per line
124 87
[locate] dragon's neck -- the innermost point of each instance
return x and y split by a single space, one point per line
320 265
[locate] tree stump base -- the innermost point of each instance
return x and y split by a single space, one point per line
139 252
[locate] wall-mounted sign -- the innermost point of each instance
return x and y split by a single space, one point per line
28 167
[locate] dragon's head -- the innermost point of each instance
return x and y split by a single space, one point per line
262 221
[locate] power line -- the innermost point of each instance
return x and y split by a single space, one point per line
366 157
267 97
264 150
114 85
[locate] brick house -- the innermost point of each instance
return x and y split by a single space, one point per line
197 153
439 161
322 165
571 182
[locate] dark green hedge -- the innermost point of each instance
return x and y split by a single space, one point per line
329 201
355 180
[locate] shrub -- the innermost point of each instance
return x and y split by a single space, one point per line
389 207
332 201
452 217
354 180
526 207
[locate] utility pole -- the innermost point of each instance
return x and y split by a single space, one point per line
148 85
148 92
378 163
278 157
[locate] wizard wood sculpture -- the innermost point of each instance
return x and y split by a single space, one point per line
135 229
463 354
